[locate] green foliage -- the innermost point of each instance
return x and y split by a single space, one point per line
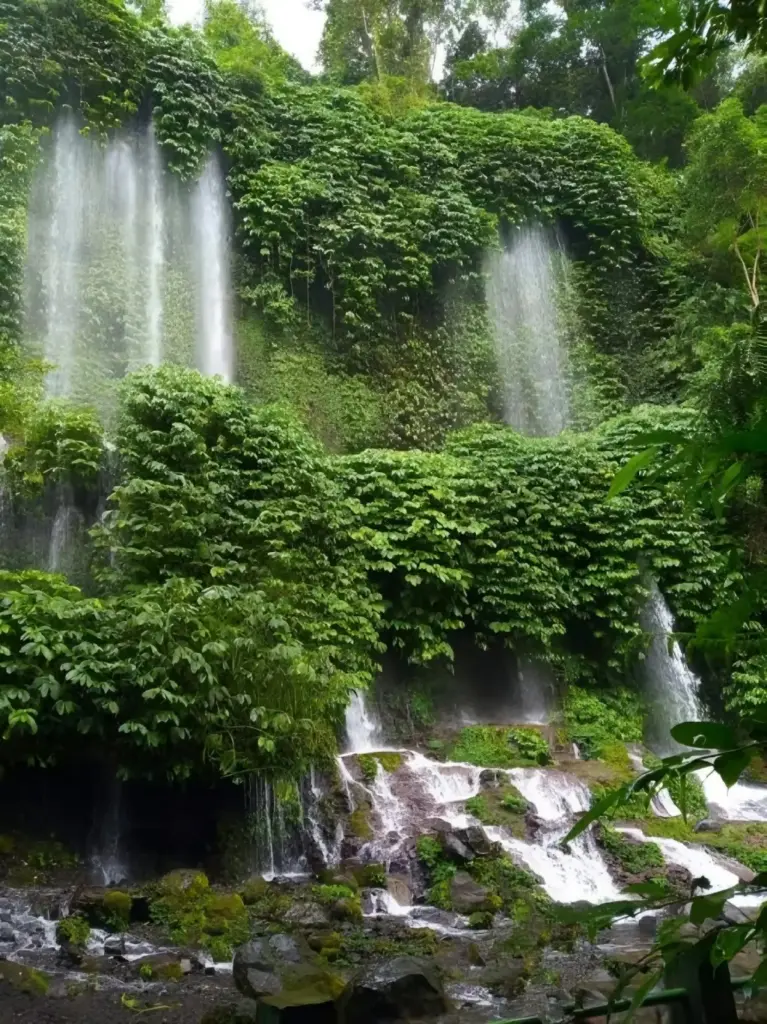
634 857
118 907
596 720
496 747
73 931
507 882
440 871
63 445
502 806
368 764
192 914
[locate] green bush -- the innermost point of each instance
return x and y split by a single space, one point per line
634 857
498 747
603 721
73 931
193 914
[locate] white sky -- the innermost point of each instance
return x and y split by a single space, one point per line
296 27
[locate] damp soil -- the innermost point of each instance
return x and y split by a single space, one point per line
183 1003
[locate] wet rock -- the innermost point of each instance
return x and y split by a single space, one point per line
744 874
7 933
455 849
492 778
647 926
163 966
437 825
466 895
114 945
23 978
287 948
6 909
307 915
402 989
708 825
254 969
506 978
474 837
739 915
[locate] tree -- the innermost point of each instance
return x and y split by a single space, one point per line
709 27
371 39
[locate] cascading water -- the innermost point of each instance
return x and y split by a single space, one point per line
363 731
521 290
215 338
673 692
117 252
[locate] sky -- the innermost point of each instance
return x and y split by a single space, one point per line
296 28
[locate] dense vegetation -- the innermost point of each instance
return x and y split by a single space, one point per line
255 560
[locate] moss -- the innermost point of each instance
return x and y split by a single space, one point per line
266 900
30 862
254 890
636 858
146 972
118 907
344 901
23 978
481 919
505 881
372 876
390 761
361 946
73 931
359 823
503 806
306 985
746 843
192 914
495 747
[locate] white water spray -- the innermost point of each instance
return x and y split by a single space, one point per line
521 297
215 336
363 730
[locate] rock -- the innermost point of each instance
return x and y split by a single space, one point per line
165 966
647 926
506 978
6 909
307 915
437 825
402 989
114 945
466 895
708 825
739 915
475 838
307 995
286 948
23 978
744 874
492 778
254 969
7 933
455 849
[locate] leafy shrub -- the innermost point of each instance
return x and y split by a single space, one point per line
634 857
595 720
73 931
496 747
192 914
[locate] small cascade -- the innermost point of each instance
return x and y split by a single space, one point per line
363 730
67 537
275 831
673 697
672 689
108 860
537 693
521 290
581 873
120 254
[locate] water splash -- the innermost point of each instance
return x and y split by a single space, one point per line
521 291
363 730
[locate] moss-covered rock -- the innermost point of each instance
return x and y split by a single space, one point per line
23 978
72 934
370 876
118 906
359 823
368 764
501 805
192 914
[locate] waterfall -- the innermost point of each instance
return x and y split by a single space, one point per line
126 265
536 692
66 539
107 859
276 837
672 689
521 294
363 731
673 693
216 354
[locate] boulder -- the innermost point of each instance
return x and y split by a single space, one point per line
307 995
254 969
506 978
6 909
402 989
114 945
163 966
708 825
286 948
7 933
492 778
474 837
437 825
307 915
455 849
466 895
